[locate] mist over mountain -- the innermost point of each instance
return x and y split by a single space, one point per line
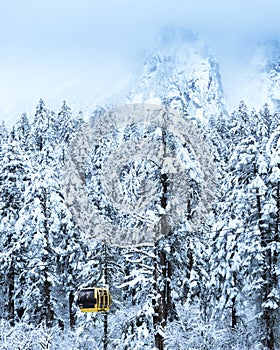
181 73
256 79
260 81
181 69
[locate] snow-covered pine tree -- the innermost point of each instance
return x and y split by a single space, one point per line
65 124
225 256
3 132
56 246
266 287
22 132
14 177
40 126
244 255
52 261
260 251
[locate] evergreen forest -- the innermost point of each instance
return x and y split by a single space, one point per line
209 286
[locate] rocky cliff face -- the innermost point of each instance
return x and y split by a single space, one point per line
181 73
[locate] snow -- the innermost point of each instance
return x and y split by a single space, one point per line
184 66
225 265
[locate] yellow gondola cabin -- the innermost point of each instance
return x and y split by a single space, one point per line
94 299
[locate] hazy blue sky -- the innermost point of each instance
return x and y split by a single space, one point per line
75 50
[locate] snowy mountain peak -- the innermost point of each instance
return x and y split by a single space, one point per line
181 73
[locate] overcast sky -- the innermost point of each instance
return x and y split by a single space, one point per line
79 50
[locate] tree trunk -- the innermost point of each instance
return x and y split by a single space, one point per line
161 289
158 304
71 313
233 313
162 267
233 307
105 340
48 311
11 294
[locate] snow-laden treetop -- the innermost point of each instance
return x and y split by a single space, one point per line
133 166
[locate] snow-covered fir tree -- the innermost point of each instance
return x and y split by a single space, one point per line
15 176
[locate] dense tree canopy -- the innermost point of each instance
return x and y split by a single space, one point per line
211 286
